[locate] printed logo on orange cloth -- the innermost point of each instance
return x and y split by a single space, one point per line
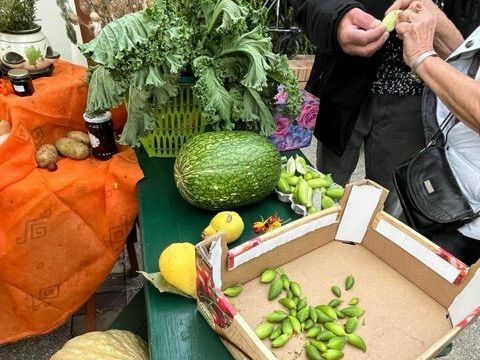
35 228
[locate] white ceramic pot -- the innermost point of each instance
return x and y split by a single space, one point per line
28 49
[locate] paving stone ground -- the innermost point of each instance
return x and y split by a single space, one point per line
118 290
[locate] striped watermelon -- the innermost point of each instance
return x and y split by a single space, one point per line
227 169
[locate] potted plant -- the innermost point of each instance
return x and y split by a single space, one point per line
141 57
22 44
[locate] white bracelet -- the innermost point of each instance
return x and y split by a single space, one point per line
420 59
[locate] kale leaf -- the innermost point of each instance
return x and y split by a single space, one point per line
140 57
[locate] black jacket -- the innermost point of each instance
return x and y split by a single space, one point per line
465 14
342 81
339 80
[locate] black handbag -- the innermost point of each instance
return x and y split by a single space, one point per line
429 193
428 190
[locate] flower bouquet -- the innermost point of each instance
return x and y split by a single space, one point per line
294 132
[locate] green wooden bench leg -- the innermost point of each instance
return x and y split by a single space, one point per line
134 317
445 351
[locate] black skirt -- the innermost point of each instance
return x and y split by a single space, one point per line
462 247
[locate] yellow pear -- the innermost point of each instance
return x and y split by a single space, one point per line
229 222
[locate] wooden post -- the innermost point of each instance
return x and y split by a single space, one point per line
86 32
91 312
132 253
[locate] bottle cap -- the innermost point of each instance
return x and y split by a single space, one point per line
98 118
18 74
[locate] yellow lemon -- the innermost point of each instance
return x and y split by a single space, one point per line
177 265
228 221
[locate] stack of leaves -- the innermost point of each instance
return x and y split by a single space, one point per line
223 42
326 326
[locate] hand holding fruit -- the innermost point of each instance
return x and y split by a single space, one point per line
412 4
360 34
446 36
417 29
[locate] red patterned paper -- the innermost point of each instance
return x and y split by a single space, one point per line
240 250
474 314
452 260
210 298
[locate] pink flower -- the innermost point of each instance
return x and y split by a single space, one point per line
308 116
282 96
282 127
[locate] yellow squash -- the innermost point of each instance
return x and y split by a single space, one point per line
177 265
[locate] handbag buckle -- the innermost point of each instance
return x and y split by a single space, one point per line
428 185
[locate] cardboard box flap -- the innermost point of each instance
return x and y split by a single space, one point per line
425 264
216 259
263 244
246 261
246 342
365 198
212 251
422 249
466 305
361 202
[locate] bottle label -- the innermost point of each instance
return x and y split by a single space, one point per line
19 88
94 142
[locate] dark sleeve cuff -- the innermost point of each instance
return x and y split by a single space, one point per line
319 20
335 46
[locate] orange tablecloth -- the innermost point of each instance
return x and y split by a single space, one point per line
60 232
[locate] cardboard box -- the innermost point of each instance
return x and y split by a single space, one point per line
417 297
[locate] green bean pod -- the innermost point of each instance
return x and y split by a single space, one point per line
268 276
312 352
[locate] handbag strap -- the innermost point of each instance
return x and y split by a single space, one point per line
438 134
474 66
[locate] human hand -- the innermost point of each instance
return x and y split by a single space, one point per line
360 34
411 4
399 5
416 26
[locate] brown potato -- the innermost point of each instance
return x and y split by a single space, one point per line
79 136
47 157
72 149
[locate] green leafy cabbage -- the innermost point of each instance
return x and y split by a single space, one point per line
140 57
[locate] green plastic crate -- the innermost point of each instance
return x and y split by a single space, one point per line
176 123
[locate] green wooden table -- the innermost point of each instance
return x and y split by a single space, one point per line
176 330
